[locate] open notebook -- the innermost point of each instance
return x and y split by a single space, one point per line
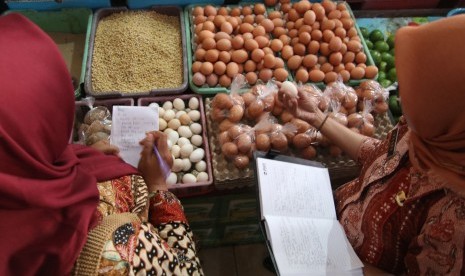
299 218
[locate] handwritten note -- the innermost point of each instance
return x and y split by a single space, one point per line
290 188
129 125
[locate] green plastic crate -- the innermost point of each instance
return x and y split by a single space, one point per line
72 21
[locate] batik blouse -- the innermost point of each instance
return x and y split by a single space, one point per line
396 217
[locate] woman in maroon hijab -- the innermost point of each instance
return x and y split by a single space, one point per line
69 208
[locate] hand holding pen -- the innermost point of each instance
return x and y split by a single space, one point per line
155 161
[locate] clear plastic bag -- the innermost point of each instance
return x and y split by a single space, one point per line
229 106
263 101
96 125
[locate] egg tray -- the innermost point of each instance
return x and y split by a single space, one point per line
190 189
369 60
227 176
189 29
101 13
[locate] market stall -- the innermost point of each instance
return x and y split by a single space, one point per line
213 72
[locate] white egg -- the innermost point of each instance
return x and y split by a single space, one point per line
196 140
161 112
174 124
185 131
179 104
189 178
178 165
180 113
175 151
196 128
187 110
154 106
202 177
169 115
201 166
186 150
186 164
182 141
193 103
173 136
170 144
194 114
197 155
167 105
172 179
162 124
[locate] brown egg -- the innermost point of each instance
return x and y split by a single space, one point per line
232 69
222 35
229 149
262 41
348 57
263 142
198 79
237 42
322 59
239 56
199 19
293 33
235 12
209 43
294 62
299 23
267 25
212 55
319 11
279 63
371 72
224 56
218 20
367 129
352 33
223 45
259 31
285 7
279 142
274 14
277 22
301 75
326 67
255 109
205 34
209 26
316 75
313 47
330 77
347 23
360 57
241 161
335 58
302 140
219 68
305 38
324 49
309 61
251 78
226 27
354 46
212 80
345 75
210 10
269 61
287 52
265 74
335 44
309 152
280 74
349 66
198 10
267 50
224 81
278 31
250 44
285 39
335 14
206 68
256 56
294 41
223 11
276 45
246 28
223 138
327 24
299 49
357 73
250 65
327 35
222 101
196 66
233 21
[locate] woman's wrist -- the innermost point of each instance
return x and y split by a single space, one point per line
319 119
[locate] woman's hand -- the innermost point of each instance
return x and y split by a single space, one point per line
149 165
304 106
105 147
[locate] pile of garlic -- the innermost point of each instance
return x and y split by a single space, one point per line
182 125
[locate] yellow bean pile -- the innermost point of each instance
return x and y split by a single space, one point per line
137 51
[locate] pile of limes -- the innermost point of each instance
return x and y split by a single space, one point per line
382 51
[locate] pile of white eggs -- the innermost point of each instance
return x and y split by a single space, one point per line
183 127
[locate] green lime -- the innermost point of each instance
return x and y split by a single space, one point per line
382 66
391 63
394 105
391 51
365 32
369 44
376 56
376 35
392 74
381 46
381 75
390 41
385 83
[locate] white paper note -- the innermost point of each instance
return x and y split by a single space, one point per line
129 125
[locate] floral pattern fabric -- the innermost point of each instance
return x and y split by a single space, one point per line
162 246
399 219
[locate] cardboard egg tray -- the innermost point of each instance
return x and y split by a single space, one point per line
227 176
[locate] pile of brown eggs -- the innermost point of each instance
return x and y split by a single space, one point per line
230 41
321 42
258 120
